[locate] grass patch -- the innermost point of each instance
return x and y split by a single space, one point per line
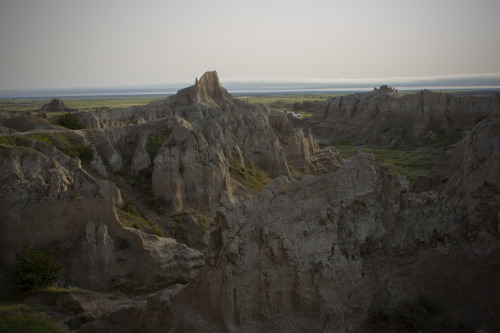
347 152
131 285
285 101
249 174
89 103
186 231
305 114
23 318
67 143
180 231
129 218
341 142
154 142
400 162
15 141
442 139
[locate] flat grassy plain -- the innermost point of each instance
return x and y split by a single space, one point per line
285 101
282 101
80 103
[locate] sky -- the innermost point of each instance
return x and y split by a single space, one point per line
53 44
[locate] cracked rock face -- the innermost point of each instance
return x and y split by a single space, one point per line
388 119
210 132
48 200
325 252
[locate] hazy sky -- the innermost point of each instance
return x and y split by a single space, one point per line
72 43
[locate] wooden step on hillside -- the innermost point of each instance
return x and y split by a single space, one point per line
125 189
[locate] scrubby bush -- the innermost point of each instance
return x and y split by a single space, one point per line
22 318
34 269
70 121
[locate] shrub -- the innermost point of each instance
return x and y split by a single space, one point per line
34 269
154 142
70 121
22 318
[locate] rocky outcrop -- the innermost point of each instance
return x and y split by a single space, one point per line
56 105
123 117
391 120
210 132
301 149
48 200
207 91
349 250
25 123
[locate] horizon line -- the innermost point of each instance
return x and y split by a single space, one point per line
272 84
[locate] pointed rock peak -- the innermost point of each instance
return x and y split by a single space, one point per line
210 83
207 90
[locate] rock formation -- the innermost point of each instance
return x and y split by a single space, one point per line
47 199
327 252
56 105
392 120
326 246
210 132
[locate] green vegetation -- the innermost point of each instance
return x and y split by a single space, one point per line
154 142
15 141
180 231
249 174
285 100
341 142
131 285
34 269
442 139
23 318
400 162
67 143
100 108
70 121
129 218
189 224
90 103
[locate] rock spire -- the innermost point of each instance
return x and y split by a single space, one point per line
207 90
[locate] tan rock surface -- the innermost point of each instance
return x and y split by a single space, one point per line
52 202
388 119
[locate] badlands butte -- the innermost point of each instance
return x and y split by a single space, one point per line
274 229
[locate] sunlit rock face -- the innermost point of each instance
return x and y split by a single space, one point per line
210 132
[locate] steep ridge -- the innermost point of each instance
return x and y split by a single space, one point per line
390 120
327 252
210 133
48 200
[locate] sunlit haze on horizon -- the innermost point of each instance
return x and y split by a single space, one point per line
66 44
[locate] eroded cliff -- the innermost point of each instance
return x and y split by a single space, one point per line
388 119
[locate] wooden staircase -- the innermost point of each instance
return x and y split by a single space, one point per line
126 190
